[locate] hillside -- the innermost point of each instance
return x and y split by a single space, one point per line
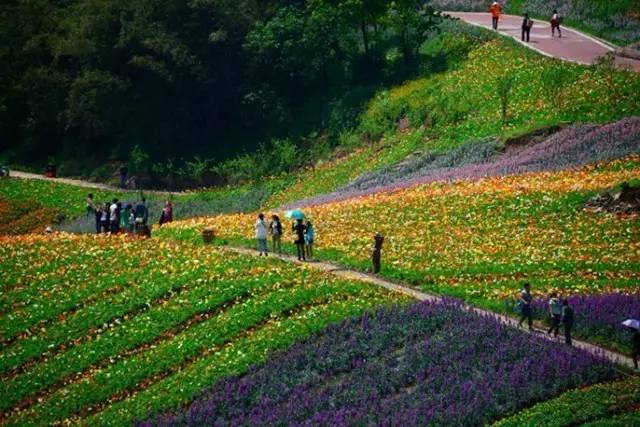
480 168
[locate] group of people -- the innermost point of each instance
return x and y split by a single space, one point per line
527 22
560 313
115 217
304 233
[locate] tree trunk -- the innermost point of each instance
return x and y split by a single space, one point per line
365 37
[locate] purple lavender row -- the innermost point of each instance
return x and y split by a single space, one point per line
571 147
428 363
600 316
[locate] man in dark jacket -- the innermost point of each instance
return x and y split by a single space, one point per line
299 229
567 321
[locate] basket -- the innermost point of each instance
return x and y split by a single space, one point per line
208 235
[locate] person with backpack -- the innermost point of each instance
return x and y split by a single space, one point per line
275 228
524 306
299 229
496 11
261 228
556 20
527 23
555 310
567 320
141 216
309 237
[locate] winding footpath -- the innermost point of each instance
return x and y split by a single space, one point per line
574 46
344 273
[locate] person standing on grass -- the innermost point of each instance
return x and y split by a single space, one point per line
527 23
299 229
261 234
167 213
309 237
141 215
98 218
555 310
91 207
275 227
555 24
496 11
635 347
525 306
125 217
567 320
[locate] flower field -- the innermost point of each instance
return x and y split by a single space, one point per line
574 146
480 239
102 330
427 364
610 404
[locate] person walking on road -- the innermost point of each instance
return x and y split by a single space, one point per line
261 235
275 227
555 310
299 229
567 320
527 23
524 304
556 20
496 11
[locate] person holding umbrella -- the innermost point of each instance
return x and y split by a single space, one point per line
299 230
635 339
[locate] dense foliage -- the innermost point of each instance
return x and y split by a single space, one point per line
101 330
428 364
92 80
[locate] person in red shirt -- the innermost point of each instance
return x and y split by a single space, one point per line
495 10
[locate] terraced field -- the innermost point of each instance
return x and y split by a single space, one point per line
104 330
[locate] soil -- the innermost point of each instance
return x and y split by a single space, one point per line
625 200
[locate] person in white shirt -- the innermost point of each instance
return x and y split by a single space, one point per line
555 310
114 221
555 23
262 229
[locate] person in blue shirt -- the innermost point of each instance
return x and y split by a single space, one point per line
309 236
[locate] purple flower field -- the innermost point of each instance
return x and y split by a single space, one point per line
600 317
428 363
571 147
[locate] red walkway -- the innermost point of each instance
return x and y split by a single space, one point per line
573 46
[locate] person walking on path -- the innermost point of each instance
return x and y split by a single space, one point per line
567 320
525 306
527 23
275 227
309 237
635 347
555 310
556 20
261 234
495 10
299 229
376 256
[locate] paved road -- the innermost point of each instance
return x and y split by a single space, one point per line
574 46
421 296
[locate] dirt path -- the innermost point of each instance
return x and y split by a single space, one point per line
422 296
81 183
574 46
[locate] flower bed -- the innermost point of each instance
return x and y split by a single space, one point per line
430 363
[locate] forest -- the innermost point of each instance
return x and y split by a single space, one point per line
88 82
